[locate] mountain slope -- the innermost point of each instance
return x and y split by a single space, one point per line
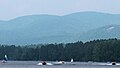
106 32
50 28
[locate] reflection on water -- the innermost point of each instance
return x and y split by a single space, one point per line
33 64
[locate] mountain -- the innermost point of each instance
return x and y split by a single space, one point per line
33 29
105 32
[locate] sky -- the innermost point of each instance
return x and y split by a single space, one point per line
14 8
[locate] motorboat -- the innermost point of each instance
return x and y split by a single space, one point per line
58 63
44 63
110 63
62 62
113 63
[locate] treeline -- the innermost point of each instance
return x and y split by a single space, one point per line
97 50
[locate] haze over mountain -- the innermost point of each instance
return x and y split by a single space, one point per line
55 29
105 32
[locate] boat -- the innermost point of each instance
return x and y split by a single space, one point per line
62 62
5 59
113 63
110 63
55 63
58 63
44 63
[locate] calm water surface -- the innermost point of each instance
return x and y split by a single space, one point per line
33 64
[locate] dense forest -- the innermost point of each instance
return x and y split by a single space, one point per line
97 50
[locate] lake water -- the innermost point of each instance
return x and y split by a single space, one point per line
33 64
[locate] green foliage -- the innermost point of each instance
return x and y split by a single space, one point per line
97 50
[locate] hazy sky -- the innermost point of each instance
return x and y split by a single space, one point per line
13 8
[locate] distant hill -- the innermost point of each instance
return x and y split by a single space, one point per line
106 32
53 29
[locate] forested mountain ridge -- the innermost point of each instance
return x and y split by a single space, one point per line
53 29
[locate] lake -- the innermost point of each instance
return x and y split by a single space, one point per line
33 64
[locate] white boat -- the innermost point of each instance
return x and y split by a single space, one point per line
44 63
54 63
62 62
112 63
58 63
